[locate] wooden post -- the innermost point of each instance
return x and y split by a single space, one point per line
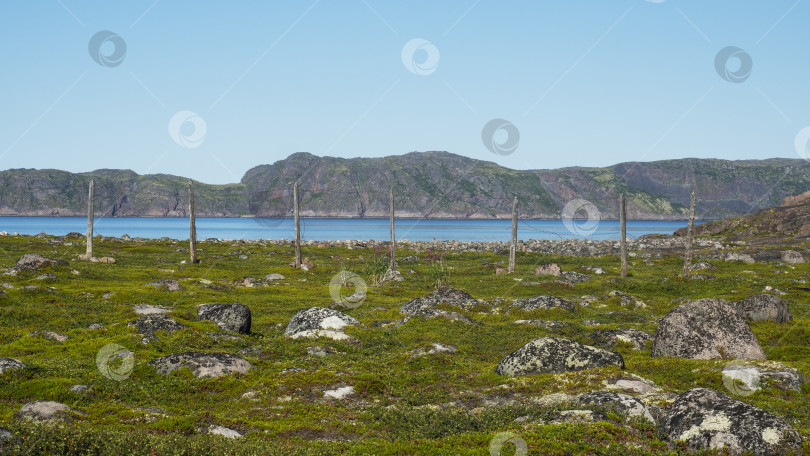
90 210
687 261
623 241
393 265
192 224
297 227
513 245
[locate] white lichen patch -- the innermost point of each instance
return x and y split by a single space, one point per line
715 423
771 435
333 322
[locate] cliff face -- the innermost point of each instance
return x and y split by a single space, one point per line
429 184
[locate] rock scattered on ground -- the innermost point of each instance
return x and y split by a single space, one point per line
448 296
624 404
740 257
706 329
166 284
339 393
146 309
572 277
631 383
10 364
273 276
754 377
435 349
95 326
578 417
148 325
46 411
792 257
79 388
555 355
763 307
551 325
223 431
234 317
202 365
552 269
703 266
608 338
543 302
34 261
320 322
50 335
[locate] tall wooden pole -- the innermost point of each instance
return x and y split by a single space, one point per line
297 227
90 210
393 265
687 261
192 224
513 245
623 241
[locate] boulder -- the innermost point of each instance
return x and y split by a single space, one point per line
202 365
10 364
448 296
609 337
745 258
706 419
166 284
543 302
792 257
147 325
319 318
762 307
555 355
624 404
46 411
574 277
229 317
436 313
752 378
34 261
273 276
706 329
552 269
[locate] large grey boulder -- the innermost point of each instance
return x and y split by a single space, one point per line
706 419
46 411
229 317
149 324
624 404
762 307
555 355
448 296
10 364
543 302
34 261
202 365
608 338
319 318
706 329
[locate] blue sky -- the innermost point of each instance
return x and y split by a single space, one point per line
586 83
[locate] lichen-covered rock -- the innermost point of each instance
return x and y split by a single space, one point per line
34 261
223 431
762 307
229 317
148 325
167 285
578 417
703 266
754 377
202 365
705 419
319 318
706 329
552 269
574 277
449 296
608 338
10 364
46 411
792 257
543 302
743 257
624 404
555 355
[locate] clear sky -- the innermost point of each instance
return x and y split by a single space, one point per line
583 83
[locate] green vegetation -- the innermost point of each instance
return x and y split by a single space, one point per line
400 402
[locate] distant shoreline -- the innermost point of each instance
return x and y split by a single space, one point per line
697 220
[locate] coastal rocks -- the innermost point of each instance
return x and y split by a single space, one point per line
543 302
555 355
763 307
706 419
705 329
202 365
34 261
229 317
449 296
320 322
792 257
624 404
608 338
166 285
148 325
740 257
46 411
552 269
10 364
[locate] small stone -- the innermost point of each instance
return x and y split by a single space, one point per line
552 269
223 431
339 393
79 388
10 364
273 276
46 411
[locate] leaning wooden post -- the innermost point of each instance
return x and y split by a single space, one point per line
393 265
90 210
623 240
192 224
687 261
297 227
513 245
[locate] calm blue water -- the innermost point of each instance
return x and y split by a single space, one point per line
335 229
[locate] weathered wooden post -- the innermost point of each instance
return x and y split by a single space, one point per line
623 241
90 209
393 265
192 224
297 226
513 244
687 261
